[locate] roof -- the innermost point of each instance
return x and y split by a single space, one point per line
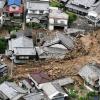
14 2
52 90
42 5
35 96
20 42
24 51
65 40
77 8
56 13
26 32
64 81
40 77
86 3
51 52
95 9
12 91
90 73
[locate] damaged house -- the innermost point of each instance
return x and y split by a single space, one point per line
91 76
11 91
56 47
53 91
57 19
22 49
37 11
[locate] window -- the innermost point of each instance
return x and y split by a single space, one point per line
41 11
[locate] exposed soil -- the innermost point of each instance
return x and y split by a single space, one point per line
61 68
67 67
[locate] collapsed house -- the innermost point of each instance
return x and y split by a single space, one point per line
91 76
56 47
57 18
22 49
37 11
39 78
11 91
80 7
51 90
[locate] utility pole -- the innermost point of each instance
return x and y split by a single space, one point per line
11 67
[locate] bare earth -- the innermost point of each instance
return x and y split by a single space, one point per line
61 68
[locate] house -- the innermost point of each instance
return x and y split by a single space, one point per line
39 78
94 14
22 49
14 7
80 7
90 73
56 47
51 52
57 19
2 4
37 11
53 91
65 40
11 91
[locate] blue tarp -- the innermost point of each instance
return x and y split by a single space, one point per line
14 2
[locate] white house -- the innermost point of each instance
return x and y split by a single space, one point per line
22 48
57 18
37 10
94 14
53 91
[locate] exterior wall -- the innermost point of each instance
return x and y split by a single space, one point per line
22 57
62 98
1 20
57 22
51 27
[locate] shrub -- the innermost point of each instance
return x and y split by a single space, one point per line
72 17
4 78
3 45
55 3
73 93
13 35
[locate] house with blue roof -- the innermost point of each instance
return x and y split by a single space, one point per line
14 7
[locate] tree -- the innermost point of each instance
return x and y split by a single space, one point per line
72 17
3 45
